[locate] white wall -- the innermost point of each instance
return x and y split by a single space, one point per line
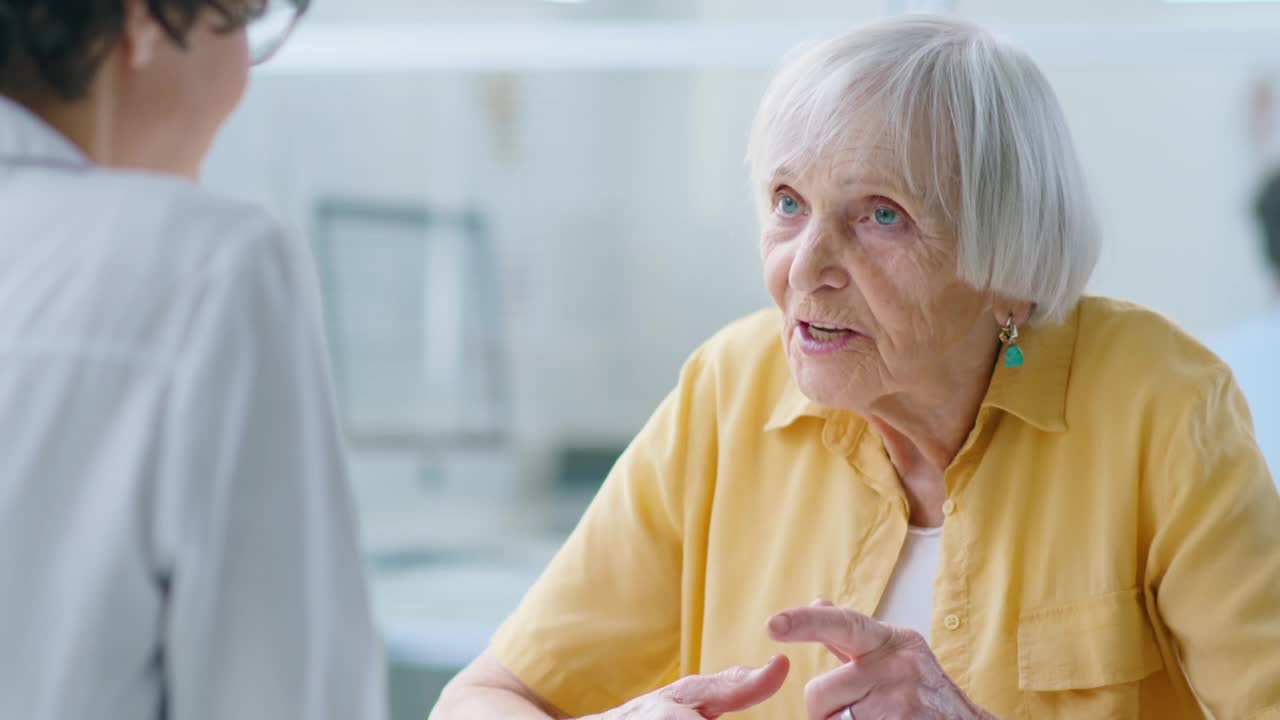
1172 177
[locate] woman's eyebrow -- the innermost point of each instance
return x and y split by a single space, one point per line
875 168
887 184
871 179
783 173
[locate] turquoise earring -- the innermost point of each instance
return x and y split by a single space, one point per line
1009 336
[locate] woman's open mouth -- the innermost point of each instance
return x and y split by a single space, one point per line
823 339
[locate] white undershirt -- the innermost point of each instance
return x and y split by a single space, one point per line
908 599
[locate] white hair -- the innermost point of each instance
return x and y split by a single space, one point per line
979 136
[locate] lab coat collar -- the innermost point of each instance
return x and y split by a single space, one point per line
25 139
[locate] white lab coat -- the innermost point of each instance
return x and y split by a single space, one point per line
176 532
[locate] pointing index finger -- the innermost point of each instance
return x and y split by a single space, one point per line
852 633
823 602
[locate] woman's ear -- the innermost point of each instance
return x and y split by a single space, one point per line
1002 308
140 36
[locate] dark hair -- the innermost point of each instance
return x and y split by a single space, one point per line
1267 207
58 45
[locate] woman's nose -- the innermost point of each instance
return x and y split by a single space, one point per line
817 263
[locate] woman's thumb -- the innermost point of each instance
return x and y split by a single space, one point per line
732 690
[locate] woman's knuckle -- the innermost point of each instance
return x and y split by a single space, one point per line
677 691
667 710
913 638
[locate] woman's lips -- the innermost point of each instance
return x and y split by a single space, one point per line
823 339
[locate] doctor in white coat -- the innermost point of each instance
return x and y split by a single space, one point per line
176 534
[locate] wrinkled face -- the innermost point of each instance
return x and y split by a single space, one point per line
866 277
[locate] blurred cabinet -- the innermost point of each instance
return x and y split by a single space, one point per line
412 303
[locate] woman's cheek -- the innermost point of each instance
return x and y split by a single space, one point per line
777 256
773 235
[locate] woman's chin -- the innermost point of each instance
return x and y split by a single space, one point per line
827 386
834 381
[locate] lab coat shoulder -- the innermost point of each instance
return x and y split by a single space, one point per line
189 231
152 250
218 241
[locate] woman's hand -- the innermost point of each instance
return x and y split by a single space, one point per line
888 673
706 697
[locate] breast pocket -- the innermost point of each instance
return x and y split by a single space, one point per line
1084 659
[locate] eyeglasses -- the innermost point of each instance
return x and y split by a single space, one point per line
270 28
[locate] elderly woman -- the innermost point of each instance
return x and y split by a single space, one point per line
1018 502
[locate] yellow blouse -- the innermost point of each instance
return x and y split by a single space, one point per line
1112 536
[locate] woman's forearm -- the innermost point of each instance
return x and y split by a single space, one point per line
485 703
486 690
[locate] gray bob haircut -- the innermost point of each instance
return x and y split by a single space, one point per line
979 136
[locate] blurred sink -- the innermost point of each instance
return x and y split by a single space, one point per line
442 615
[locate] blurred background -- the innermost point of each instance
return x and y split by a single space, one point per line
527 213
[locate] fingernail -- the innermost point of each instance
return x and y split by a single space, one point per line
765 668
780 625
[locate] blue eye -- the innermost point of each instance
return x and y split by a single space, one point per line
886 216
787 206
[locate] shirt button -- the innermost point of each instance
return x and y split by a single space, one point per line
949 507
952 622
